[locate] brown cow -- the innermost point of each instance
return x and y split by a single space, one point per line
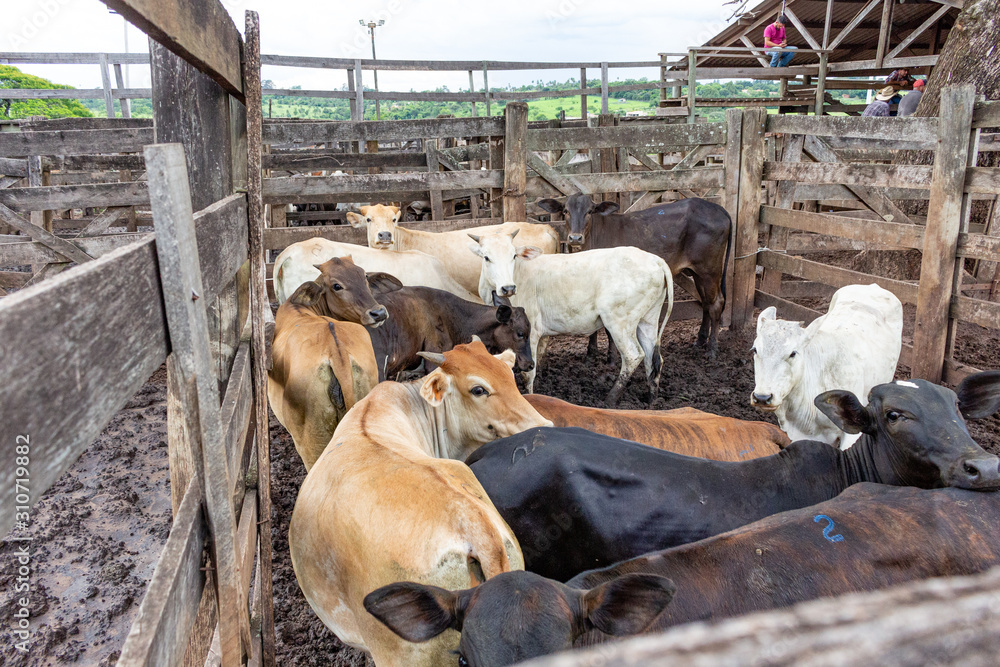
384 504
321 368
691 235
684 430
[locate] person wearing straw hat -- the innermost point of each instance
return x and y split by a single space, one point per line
880 105
910 101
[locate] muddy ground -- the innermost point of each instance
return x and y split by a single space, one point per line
97 534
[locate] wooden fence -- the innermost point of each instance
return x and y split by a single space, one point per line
192 295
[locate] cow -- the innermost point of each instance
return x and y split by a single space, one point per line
450 247
516 616
691 235
837 547
621 289
321 368
683 430
384 504
423 319
577 500
854 346
297 264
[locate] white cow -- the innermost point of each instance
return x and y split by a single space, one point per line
620 289
450 247
855 346
297 264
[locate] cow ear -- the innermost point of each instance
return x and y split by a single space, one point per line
357 221
380 283
528 252
504 313
416 612
476 248
604 208
499 300
979 395
628 604
768 314
435 386
508 357
846 412
306 294
550 205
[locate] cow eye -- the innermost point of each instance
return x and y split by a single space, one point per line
792 355
520 336
892 416
753 350
479 390
462 662
337 287
368 219
487 259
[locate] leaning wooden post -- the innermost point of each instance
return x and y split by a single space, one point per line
604 88
821 84
187 323
102 59
748 216
486 89
692 83
472 89
731 196
944 219
359 90
259 307
122 101
515 162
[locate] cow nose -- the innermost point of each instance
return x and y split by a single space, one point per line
385 237
762 399
576 238
378 314
508 290
981 472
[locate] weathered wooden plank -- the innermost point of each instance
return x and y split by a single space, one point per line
62 330
75 142
310 160
565 184
731 196
896 129
871 231
315 132
861 143
745 248
56 197
222 236
834 275
432 65
280 238
786 309
784 198
246 542
869 175
12 167
35 58
159 633
178 255
434 166
810 192
976 246
944 217
983 180
199 31
288 190
236 406
94 163
654 138
986 114
805 289
261 333
67 250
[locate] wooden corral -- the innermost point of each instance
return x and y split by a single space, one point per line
212 177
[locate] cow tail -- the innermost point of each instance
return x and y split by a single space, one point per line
729 247
668 280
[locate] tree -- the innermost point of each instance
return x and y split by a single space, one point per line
11 77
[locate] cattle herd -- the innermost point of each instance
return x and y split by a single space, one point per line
448 519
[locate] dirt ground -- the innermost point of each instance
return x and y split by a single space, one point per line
97 534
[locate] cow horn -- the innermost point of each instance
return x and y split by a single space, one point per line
433 357
476 339
474 237
514 233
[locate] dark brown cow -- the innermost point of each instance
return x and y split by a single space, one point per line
424 319
684 431
868 538
346 292
691 235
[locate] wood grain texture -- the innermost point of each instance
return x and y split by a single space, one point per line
745 249
656 137
515 162
871 175
75 142
200 31
784 198
834 275
870 231
314 132
896 129
55 197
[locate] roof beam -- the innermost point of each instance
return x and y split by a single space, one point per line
813 44
854 22
919 30
749 42
885 33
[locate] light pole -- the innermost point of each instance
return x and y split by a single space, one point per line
371 29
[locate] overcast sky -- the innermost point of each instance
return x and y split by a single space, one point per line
532 30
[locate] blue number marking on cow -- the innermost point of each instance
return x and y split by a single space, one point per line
746 451
828 529
659 213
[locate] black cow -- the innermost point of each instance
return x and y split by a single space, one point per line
577 500
691 235
517 616
424 319
868 538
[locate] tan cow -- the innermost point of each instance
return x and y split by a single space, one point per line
321 368
383 504
452 248
297 264
684 430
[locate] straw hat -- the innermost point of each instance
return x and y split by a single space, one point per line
886 94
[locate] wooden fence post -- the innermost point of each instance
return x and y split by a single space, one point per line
748 216
731 196
109 103
604 88
187 322
821 84
124 102
359 90
259 308
583 96
472 89
944 218
486 90
692 83
606 156
515 162
434 165
784 197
